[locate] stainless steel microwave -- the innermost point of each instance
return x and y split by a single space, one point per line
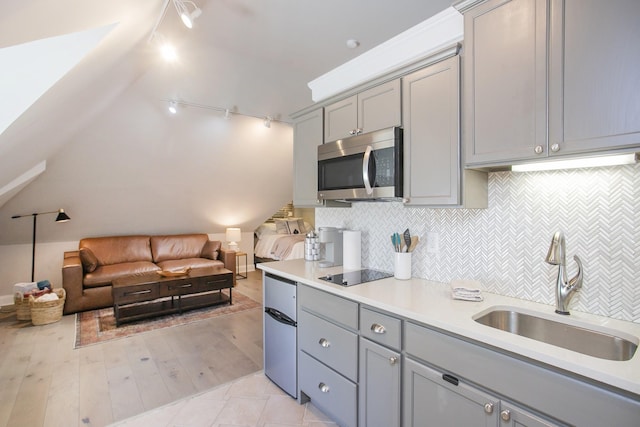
362 167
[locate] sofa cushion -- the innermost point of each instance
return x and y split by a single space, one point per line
89 260
179 264
105 274
211 249
118 249
178 246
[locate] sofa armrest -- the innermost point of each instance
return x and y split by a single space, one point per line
72 275
229 259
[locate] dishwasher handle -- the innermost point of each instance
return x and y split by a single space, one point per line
280 316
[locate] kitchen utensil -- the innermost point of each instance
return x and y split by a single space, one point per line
407 239
414 243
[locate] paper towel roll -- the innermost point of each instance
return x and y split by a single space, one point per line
351 250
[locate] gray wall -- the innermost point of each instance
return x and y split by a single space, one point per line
504 246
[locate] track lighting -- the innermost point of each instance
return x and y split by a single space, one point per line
186 16
267 121
226 112
173 107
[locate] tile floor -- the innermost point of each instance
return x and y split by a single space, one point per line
249 401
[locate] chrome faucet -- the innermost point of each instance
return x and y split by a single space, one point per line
564 288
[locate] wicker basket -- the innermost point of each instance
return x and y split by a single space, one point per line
43 313
23 310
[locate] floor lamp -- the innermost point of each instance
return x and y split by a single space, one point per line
62 217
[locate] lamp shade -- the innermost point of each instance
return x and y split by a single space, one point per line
234 235
62 216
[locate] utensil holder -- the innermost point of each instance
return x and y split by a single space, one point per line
402 265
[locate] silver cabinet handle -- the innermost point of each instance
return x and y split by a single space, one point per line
555 148
393 360
365 170
358 131
323 387
324 343
488 408
538 149
377 328
505 415
352 132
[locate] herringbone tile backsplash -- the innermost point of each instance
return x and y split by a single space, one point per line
504 246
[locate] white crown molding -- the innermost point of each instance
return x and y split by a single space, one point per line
430 36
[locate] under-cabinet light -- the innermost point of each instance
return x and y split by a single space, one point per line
588 162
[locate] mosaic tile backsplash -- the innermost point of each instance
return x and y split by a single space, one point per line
504 246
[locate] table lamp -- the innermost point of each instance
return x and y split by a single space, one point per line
234 235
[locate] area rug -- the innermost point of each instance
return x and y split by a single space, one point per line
97 326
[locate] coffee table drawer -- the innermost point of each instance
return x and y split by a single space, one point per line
137 293
178 287
215 283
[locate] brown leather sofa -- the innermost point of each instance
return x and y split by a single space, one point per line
88 272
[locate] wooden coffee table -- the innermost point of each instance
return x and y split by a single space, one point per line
145 295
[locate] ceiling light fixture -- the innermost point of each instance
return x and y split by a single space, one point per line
267 121
353 43
227 113
173 107
183 10
588 162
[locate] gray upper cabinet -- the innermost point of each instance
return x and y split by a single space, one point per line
307 135
432 158
504 66
594 85
373 109
589 72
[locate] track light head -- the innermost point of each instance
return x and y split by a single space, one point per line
267 121
227 114
173 107
186 16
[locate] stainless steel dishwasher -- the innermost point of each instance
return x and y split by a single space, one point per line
280 342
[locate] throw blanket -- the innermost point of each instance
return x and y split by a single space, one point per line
282 248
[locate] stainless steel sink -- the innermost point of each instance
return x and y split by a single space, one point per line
604 345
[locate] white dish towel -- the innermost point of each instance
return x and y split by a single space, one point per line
467 290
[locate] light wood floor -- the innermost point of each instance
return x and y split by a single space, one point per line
45 382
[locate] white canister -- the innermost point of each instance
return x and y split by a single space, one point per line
402 265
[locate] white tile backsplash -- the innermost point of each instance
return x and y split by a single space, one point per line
504 246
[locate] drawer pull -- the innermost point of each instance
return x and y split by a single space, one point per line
324 343
188 285
323 387
146 291
376 328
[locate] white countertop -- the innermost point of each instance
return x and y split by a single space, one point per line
430 303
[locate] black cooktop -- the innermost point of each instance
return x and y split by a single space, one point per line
351 278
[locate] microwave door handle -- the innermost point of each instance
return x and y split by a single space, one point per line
365 170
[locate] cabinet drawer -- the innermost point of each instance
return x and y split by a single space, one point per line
133 294
338 310
215 283
381 328
331 393
179 287
332 345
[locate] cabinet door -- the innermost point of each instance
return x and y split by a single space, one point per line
341 119
307 135
594 83
513 416
431 400
504 90
379 389
379 107
430 107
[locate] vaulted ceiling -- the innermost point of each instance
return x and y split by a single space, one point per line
254 57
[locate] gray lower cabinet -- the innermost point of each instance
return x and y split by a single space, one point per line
433 174
379 388
328 354
370 110
307 135
380 369
433 398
